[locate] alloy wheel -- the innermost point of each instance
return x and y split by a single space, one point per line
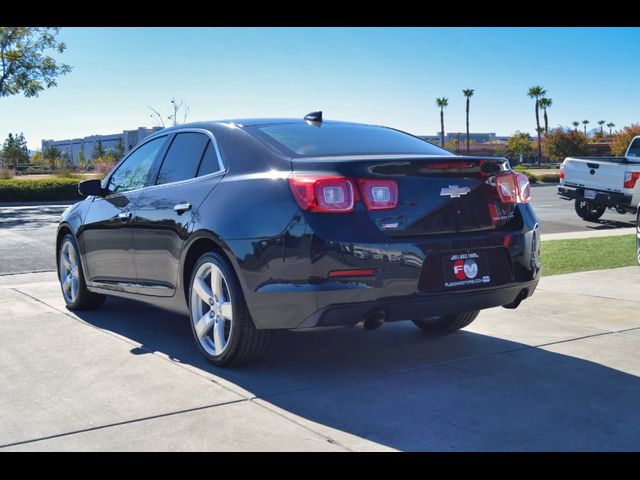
68 272
211 309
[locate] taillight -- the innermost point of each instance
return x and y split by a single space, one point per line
562 172
630 179
322 194
378 194
513 187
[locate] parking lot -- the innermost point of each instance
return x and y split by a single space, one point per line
559 373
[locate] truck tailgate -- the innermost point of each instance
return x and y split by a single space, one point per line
594 174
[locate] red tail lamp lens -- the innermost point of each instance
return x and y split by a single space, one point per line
378 194
513 188
322 194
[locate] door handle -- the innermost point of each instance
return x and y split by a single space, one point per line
125 216
182 207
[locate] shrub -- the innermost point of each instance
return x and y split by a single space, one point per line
42 189
67 173
549 178
6 173
622 139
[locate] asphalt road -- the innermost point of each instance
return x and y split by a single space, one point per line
557 215
27 233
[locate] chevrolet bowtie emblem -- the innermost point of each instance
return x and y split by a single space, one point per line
454 191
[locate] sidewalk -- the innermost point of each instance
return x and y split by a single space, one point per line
591 234
129 377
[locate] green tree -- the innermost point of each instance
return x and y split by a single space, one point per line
25 66
537 92
82 159
585 123
65 160
442 103
519 145
559 144
545 103
119 151
601 123
468 93
610 125
623 138
14 150
575 124
51 153
98 151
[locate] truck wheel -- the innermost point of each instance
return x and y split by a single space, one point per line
445 324
589 211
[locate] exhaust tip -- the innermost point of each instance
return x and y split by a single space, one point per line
374 319
516 303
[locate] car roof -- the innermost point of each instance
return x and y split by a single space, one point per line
252 122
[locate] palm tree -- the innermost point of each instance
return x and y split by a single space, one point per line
537 92
544 104
576 124
468 93
585 123
601 123
442 103
610 125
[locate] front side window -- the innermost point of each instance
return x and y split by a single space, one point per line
133 172
183 157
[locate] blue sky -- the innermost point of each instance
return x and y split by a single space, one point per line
387 76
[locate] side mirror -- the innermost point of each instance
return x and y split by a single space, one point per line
91 187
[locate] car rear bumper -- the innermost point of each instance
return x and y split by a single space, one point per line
421 305
609 199
288 285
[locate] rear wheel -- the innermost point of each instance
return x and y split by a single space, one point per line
71 276
444 324
220 320
588 210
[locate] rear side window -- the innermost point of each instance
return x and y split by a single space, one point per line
182 160
634 149
304 139
209 162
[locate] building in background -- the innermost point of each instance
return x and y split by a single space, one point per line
72 147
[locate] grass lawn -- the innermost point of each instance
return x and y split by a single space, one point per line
567 256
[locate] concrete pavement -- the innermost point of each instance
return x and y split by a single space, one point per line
559 373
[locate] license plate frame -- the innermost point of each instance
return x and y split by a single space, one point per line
590 194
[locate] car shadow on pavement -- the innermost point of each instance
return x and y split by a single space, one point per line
400 388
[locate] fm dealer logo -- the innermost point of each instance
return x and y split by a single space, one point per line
465 269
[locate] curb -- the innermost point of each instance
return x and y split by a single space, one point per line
592 234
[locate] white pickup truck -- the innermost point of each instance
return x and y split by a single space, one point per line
598 183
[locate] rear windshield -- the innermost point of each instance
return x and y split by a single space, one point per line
304 139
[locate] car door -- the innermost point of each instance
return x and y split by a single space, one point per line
190 169
107 235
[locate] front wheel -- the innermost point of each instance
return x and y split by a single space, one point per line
588 210
220 320
72 281
444 324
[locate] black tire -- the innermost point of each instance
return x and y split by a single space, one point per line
589 211
85 300
446 324
246 342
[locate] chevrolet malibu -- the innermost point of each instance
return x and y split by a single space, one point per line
254 225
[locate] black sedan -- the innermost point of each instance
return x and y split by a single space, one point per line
254 225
